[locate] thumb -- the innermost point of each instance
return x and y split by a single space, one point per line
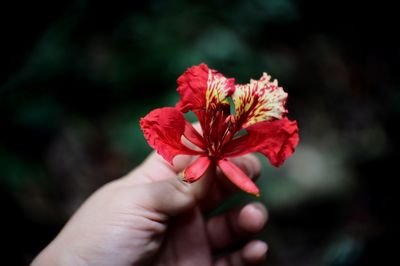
170 197
173 196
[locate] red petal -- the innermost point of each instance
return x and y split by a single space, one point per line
275 139
197 169
193 136
201 87
192 86
237 177
163 129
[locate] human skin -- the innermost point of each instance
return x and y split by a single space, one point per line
151 217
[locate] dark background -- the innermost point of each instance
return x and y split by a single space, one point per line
77 75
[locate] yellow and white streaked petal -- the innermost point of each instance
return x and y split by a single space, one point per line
218 89
258 101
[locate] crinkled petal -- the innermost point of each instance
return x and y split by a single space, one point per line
203 88
237 177
275 139
197 169
259 100
192 86
163 129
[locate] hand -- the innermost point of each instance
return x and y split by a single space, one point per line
150 217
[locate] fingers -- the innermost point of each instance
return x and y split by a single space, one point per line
172 196
167 197
238 224
253 253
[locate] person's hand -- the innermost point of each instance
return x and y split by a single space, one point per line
151 217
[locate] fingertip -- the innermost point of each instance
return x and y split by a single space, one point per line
253 217
255 251
261 208
170 197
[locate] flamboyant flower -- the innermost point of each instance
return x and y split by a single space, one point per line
234 119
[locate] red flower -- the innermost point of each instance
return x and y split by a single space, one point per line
258 123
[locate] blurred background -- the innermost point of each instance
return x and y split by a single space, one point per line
77 76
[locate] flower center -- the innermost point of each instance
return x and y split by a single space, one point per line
219 129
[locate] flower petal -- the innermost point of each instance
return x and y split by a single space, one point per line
275 139
192 86
218 90
197 169
193 136
237 177
258 101
163 129
201 87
